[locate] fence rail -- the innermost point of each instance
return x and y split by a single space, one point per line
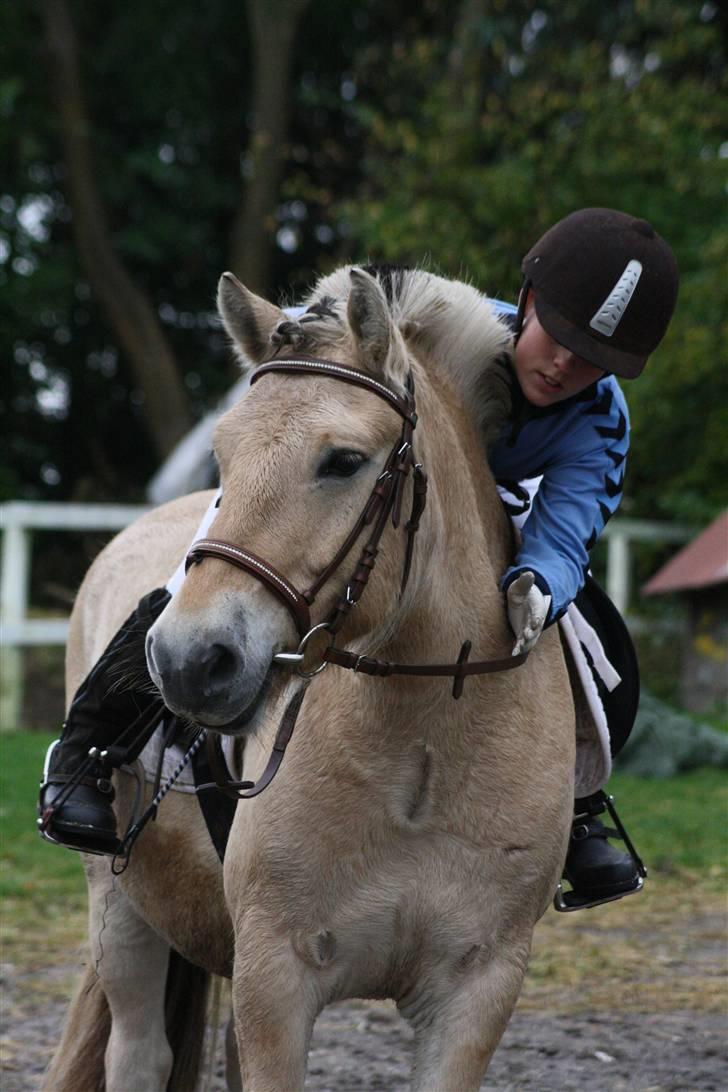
19 519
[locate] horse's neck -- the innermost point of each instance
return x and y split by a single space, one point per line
465 538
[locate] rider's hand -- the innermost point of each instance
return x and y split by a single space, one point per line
528 609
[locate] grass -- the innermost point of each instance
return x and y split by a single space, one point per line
679 825
42 886
661 948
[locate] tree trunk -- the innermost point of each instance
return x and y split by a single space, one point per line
469 54
130 314
273 25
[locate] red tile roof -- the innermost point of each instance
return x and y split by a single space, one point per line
703 562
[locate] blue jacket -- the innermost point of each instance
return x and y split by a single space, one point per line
579 446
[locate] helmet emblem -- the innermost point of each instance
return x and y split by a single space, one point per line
607 318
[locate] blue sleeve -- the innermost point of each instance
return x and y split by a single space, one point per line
579 492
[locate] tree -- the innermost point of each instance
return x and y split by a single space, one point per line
130 313
273 25
521 130
414 130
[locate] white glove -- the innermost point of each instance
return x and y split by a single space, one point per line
528 609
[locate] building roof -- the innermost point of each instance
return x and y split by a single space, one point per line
700 564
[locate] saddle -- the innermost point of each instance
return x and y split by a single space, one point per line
605 684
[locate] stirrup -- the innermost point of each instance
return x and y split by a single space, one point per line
115 849
567 901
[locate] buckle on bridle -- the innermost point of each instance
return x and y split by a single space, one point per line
295 659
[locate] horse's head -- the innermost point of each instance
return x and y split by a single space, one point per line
299 456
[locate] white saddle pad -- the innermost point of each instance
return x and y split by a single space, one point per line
149 759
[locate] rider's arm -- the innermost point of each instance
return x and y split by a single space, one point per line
580 490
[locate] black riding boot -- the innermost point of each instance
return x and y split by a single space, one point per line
110 720
596 870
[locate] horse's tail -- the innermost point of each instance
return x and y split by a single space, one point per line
185 1010
79 1058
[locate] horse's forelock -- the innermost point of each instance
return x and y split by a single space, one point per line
455 326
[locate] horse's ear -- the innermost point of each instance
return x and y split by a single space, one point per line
377 341
248 319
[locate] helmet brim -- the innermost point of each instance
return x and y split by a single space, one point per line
593 349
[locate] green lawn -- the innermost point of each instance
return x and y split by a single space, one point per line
31 869
678 826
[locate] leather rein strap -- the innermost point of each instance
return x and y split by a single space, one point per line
384 501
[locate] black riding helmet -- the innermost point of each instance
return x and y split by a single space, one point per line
605 286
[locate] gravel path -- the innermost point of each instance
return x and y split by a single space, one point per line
360 1045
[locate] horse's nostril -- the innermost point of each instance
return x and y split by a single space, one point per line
221 665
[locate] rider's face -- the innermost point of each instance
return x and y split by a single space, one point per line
547 372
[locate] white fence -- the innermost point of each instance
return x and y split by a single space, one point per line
19 519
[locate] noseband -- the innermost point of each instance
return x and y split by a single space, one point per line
384 501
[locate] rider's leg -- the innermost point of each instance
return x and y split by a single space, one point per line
594 867
116 704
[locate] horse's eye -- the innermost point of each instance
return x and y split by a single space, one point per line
341 463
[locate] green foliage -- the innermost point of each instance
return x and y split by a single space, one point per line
420 131
621 106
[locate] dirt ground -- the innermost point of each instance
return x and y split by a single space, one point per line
628 997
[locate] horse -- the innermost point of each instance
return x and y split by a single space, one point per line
408 842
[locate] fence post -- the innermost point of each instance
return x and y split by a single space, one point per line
618 569
13 606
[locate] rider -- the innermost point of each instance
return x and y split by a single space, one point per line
598 293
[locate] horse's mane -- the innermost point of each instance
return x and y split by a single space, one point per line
462 336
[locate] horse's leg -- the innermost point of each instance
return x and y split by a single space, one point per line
275 1002
131 961
458 1029
78 1061
232 1059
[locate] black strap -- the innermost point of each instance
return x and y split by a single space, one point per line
218 809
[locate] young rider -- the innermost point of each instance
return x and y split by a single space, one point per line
598 293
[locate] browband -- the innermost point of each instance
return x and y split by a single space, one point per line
308 364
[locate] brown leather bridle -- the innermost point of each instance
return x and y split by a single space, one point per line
384 501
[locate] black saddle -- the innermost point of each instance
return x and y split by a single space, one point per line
620 705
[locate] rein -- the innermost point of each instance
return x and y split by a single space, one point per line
384 502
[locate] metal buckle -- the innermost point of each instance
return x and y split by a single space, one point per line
295 659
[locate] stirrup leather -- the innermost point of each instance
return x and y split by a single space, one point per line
567 901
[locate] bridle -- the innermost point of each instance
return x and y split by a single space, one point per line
384 502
